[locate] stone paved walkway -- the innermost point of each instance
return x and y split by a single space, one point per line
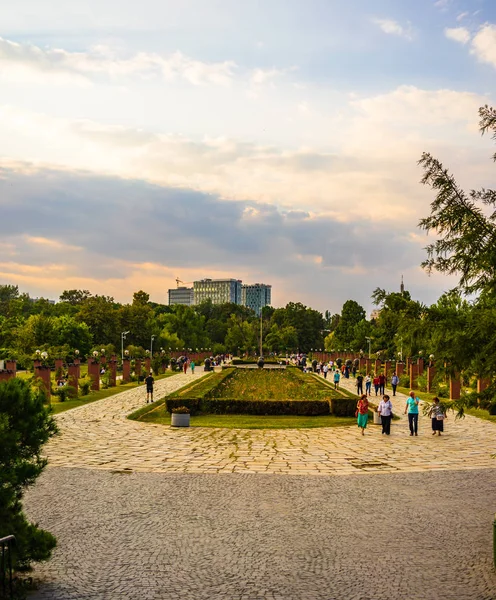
98 435
161 536
146 512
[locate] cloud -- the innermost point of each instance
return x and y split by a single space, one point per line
101 61
58 224
442 4
392 27
458 34
462 16
370 171
484 44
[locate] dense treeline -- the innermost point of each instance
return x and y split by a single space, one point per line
86 322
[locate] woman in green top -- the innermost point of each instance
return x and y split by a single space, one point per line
412 406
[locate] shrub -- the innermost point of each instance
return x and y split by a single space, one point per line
264 407
25 426
405 381
193 404
492 408
343 407
422 382
64 392
85 386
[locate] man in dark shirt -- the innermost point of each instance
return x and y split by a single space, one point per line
149 381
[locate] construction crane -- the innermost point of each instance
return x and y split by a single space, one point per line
178 281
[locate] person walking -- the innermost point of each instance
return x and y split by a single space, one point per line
359 384
437 415
149 381
412 406
394 382
382 384
325 370
337 377
192 365
185 366
368 385
385 410
362 413
376 384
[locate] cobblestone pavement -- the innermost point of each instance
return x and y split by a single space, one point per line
161 536
99 436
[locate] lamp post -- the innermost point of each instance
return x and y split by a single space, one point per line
151 346
261 323
369 340
123 337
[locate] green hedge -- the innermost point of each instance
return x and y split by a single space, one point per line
252 361
339 407
226 406
192 403
343 407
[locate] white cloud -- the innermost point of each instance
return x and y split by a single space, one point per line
102 61
371 169
392 27
442 4
264 76
484 44
462 16
458 34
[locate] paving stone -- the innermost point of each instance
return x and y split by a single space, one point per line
266 536
150 512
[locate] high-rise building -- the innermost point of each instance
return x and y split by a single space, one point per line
256 296
181 295
218 290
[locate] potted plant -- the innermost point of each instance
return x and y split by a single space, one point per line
180 416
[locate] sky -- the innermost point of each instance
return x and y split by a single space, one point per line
271 141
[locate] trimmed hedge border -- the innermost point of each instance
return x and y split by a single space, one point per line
199 397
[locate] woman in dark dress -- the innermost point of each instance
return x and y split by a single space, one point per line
437 415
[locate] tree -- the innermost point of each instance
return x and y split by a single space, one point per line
307 322
101 315
351 314
141 298
25 426
74 297
466 245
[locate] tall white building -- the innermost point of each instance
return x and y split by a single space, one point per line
181 295
219 291
256 296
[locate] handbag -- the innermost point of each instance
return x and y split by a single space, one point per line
439 417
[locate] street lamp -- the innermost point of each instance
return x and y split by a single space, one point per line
151 345
400 353
369 340
123 337
261 332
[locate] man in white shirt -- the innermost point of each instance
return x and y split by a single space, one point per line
385 409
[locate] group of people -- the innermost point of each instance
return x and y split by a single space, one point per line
385 410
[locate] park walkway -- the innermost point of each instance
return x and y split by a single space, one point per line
146 512
99 436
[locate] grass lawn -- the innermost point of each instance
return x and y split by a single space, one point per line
268 384
59 407
160 416
481 413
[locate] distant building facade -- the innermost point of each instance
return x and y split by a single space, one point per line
256 296
219 291
181 295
